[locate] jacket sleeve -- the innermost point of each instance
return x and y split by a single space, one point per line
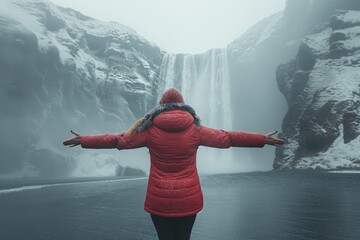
224 139
119 141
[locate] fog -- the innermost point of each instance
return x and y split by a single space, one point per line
99 77
60 73
182 26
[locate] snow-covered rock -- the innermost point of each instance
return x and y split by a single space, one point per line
61 70
322 88
257 104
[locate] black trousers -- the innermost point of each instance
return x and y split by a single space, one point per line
173 228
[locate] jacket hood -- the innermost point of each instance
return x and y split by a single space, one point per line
173 121
172 117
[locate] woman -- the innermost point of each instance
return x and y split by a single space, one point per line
172 132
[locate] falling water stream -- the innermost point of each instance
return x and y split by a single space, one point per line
204 81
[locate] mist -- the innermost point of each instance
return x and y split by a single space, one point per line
92 82
187 26
63 70
252 67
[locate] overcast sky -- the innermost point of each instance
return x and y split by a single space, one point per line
181 26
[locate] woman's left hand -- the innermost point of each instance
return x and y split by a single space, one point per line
72 142
270 140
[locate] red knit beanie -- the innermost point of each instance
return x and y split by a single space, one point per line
171 96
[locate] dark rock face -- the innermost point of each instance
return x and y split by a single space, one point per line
351 123
322 86
305 57
319 127
293 77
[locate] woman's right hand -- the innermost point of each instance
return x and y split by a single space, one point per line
270 140
72 142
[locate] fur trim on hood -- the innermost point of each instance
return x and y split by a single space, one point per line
167 107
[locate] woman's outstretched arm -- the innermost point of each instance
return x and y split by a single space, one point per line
224 139
120 141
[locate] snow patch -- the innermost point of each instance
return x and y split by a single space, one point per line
333 82
270 27
339 155
345 171
350 16
35 187
261 31
319 42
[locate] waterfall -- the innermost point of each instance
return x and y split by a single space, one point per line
204 81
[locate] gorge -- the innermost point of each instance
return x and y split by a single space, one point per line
295 72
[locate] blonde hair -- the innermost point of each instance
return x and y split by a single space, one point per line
135 126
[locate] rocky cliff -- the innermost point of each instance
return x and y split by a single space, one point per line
257 104
322 88
61 70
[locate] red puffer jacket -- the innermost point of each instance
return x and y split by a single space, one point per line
173 139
